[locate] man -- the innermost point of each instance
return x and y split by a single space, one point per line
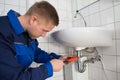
18 44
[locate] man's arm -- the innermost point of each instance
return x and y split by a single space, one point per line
11 69
42 57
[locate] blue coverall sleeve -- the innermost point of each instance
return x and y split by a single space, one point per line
10 69
42 57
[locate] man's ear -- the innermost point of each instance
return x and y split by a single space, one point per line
33 19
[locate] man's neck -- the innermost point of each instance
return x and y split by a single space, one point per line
23 21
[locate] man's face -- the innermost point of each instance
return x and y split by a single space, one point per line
39 28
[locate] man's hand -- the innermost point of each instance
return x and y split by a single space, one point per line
57 64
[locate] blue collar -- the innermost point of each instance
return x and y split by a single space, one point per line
17 27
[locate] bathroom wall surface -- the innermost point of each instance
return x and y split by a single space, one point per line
105 13
17 5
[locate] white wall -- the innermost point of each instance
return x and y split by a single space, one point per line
105 13
18 5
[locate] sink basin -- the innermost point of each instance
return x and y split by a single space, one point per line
81 37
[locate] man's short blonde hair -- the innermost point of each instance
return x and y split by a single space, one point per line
45 10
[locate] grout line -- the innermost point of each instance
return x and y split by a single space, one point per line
106 69
97 11
11 4
4 7
19 6
115 37
116 4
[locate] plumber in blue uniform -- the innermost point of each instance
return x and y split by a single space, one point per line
19 47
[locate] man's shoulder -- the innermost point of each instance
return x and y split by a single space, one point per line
4 22
5 29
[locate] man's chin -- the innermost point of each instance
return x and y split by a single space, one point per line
33 37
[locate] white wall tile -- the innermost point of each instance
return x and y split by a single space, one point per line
97 64
95 19
8 7
111 27
111 50
1 13
118 47
117 11
1 7
109 62
73 6
57 78
117 30
94 8
62 4
86 11
12 2
63 50
90 72
63 24
69 16
2 1
110 75
70 24
22 10
23 3
82 76
118 63
58 74
88 22
54 47
69 6
62 15
104 4
107 16
116 2
97 74
118 76
30 3
79 23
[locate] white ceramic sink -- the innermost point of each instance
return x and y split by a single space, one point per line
84 37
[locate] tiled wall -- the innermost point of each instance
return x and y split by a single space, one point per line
48 44
105 13
18 5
